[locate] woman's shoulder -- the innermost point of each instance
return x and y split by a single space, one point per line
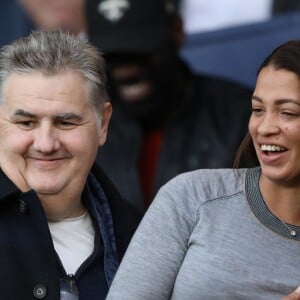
207 184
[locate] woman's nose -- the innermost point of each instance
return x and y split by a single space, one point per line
268 125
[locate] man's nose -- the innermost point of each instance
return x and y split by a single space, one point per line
46 139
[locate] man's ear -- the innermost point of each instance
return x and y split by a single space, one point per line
106 115
176 30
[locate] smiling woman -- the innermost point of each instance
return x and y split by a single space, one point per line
274 128
230 233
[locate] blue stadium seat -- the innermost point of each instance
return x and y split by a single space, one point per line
237 52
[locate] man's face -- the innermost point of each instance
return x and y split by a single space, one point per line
68 15
49 132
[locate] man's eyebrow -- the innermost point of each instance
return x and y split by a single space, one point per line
68 116
23 113
63 116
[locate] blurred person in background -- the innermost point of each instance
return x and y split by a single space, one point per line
166 119
67 15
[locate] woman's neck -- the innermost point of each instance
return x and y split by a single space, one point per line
282 201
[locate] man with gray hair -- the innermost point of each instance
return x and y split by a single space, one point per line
63 226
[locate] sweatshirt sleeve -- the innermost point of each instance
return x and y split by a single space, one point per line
151 263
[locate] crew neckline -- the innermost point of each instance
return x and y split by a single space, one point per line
73 219
261 210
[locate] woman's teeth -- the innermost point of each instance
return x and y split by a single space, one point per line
271 148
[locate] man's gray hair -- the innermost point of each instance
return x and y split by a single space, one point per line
51 52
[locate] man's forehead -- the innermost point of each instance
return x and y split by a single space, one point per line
33 81
39 91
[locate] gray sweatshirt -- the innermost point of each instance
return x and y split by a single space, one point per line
209 235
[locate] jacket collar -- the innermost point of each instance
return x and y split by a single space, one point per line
7 187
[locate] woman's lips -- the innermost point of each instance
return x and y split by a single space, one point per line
271 153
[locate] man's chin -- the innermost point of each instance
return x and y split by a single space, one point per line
46 188
46 191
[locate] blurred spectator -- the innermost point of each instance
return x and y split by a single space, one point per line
13 22
166 119
68 15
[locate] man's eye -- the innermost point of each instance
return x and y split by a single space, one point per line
66 124
25 124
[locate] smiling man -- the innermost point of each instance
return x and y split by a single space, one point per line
61 230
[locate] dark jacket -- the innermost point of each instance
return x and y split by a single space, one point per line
27 257
283 6
204 132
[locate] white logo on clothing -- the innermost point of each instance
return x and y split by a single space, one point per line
113 10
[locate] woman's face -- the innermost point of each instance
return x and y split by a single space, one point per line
275 125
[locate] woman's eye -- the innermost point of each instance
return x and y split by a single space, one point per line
290 114
256 110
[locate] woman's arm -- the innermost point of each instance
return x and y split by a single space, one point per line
151 263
